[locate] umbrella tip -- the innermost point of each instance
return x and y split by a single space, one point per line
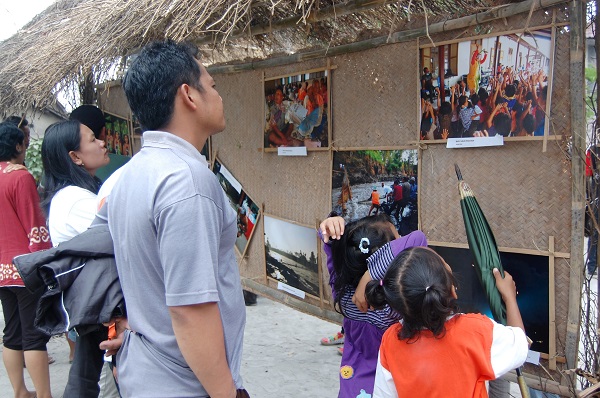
458 173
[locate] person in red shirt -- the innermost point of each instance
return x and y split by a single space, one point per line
23 230
460 351
397 195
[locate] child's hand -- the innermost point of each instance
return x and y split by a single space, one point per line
332 228
506 286
359 298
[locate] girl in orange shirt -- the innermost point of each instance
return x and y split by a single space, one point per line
435 351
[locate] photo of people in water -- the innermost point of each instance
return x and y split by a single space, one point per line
485 87
368 182
291 254
297 110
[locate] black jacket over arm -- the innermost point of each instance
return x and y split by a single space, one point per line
81 279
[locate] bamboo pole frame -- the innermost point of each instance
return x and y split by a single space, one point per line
550 83
576 84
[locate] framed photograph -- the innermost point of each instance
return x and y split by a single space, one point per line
368 182
532 277
297 111
291 255
119 135
496 85
248 213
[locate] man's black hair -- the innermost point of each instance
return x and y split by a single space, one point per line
154 77
90 116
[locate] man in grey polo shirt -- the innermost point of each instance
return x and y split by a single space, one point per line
174 234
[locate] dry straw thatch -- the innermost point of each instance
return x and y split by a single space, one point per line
72 38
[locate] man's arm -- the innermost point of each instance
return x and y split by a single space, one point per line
199 333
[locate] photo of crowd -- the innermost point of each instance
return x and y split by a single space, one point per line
118 135
370 182
247 211
484 87
297 111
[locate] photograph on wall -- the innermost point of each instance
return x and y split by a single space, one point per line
531 276
119 134
297 111
369 182
246 209
485 87
291 254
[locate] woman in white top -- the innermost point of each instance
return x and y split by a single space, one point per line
71 154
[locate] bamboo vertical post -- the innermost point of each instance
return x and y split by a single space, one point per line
576 84
551 307
550 83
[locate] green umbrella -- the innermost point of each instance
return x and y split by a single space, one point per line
485 255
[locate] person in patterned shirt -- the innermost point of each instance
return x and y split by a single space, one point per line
23 230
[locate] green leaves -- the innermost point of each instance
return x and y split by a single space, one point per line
33 158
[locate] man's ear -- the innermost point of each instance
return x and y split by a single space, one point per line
75 158
187 96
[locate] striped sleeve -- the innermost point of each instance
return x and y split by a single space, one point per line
382 319
379 261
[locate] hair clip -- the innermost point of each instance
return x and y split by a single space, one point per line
364 249
381 282
427 288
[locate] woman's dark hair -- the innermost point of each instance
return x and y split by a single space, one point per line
418 286
10 137
462 100
349 261
17 121
59 169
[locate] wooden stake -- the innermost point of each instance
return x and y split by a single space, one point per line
551 307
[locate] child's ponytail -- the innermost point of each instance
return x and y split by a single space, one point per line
375 294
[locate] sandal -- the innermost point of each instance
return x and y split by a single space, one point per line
336 339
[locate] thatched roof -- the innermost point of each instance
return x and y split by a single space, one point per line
73 37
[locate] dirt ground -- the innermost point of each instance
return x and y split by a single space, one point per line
282 355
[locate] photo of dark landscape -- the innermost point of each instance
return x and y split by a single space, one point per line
291 254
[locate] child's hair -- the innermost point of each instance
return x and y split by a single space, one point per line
463 100
361 238
418 286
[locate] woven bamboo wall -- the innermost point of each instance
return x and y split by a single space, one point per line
524 192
